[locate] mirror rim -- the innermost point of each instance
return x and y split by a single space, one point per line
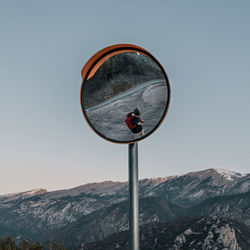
91 63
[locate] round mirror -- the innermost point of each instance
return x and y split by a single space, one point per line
125 93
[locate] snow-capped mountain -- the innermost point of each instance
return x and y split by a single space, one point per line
228 175
35 213
194 187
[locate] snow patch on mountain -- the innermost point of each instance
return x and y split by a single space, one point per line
158 180
228 175
198 194
25 194
8 199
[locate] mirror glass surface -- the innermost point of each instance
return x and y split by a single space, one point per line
125 96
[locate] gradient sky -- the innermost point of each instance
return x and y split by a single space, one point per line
44 140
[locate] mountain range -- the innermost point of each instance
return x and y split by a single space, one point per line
94 211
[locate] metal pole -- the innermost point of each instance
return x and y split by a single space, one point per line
134 238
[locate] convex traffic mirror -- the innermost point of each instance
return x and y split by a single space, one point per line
125 93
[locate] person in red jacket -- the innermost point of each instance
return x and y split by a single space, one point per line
134 123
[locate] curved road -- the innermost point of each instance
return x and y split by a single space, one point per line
109 117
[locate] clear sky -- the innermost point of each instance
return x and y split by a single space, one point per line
44 140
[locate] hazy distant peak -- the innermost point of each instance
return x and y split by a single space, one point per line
26 194
6 200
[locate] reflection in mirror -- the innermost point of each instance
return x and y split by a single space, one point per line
125 98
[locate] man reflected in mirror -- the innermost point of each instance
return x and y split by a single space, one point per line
134 122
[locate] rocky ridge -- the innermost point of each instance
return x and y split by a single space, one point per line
204 233
113 219
235 206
